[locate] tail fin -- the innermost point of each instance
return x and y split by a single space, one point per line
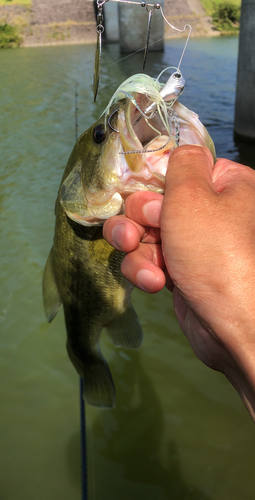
99 389
125 330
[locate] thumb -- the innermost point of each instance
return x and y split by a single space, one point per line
191 167
188 207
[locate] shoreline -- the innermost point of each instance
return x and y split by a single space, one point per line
213 34
64 39
44 25
87 42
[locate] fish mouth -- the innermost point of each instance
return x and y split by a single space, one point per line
148 142
134 157
141 135
145 148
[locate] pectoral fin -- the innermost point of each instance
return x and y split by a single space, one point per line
72 193
51 296
125 330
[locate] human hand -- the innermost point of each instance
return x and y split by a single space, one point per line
200 239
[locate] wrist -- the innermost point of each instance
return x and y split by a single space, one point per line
243 386
240 370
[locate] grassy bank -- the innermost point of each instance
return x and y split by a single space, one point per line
15 2
211 5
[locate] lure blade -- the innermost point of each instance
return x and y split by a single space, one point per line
148 39
97 64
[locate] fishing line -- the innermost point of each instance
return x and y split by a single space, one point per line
142 48
84 474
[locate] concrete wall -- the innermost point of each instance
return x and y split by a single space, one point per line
13 14
73 21
49 22
59 11
112 22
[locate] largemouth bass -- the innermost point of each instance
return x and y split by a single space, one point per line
126 150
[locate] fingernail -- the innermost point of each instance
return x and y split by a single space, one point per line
152 211
118 234
146 279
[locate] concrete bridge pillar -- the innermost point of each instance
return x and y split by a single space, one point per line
133 24
127 23
245 90
111 22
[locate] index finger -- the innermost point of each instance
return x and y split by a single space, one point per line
144 207
122 233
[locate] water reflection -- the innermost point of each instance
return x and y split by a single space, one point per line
132 438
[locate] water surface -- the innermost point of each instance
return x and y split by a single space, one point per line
178 430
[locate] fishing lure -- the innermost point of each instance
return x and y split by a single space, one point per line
150 7
100 30
161 98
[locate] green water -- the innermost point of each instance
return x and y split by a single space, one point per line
178 430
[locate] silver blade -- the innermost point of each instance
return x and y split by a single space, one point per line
148 39
97 64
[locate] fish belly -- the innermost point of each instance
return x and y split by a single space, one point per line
85 274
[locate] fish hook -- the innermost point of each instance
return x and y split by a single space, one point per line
109 120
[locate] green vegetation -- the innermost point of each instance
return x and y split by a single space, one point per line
225 14
15 2
226 17
211 6
9 37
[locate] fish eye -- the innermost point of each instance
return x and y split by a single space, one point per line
99 134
